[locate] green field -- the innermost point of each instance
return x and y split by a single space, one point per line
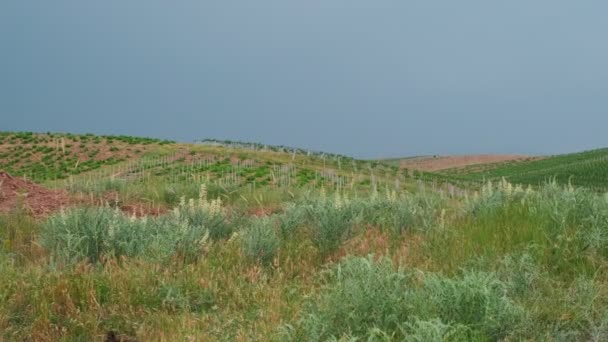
259 243
589 169
53 156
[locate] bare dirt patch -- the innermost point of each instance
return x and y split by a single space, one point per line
453 162
17 192
40 202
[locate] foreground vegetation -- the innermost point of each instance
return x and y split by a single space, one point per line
504 263
251 242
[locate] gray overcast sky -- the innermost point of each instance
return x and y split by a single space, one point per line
365 78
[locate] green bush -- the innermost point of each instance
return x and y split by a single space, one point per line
207 214
293 218
407 212
260 242
332 222
359 295
95 234
366 299
81 233
477 300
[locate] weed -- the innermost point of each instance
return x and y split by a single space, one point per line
260 242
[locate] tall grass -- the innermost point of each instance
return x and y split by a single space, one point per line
508 263
404 212
566 225
365 298
18 233
94 234
260 241
331 222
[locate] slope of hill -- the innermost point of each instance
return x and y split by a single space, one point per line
52 156
217 243
589 169
131 170
438 163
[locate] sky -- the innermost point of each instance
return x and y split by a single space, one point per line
368 79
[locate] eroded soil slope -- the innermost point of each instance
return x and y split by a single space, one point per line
16 192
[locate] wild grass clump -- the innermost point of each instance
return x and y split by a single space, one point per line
94 234
494 196
477 300
87 233
171 192
260 242
399 213
96 187
83 303
18 233
359 295
183 297
595 237
363 298
208 213
522 273
332 221
434 330
567 225
291 220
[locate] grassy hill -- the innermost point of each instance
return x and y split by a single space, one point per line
49 156
330 259
160 172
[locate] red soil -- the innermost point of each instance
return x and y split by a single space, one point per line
451 162
16 192
37 200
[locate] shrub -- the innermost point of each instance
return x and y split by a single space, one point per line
260 242
400 213
96 233
367 299
207 213
358 295
291 220
332 223
83 233
477 300
521 273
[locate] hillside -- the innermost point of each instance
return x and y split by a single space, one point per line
589 169
52 156
151 173
473 161
222 241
